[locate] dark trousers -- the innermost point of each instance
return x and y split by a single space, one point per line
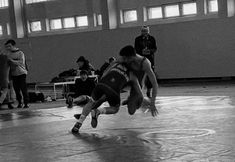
20 86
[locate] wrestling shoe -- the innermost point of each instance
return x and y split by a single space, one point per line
70 102
26 106
10 106
76 128
134 104
94 118
77 116
20 105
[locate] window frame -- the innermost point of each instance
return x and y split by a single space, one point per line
158 6
37 1
6 2
30 26
208 7
51 23
1 31
172 4
163 9
188 2
123 15
63 22
76 20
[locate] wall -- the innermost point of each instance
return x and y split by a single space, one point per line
202 48
190 49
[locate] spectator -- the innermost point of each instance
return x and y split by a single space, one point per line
84 64
18 72
105 66
4 80
83 88
145 45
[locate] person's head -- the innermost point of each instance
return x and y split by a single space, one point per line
111 59
127 53
81 61
144 30
10 44
83 75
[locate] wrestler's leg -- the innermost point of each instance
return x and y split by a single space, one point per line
136 96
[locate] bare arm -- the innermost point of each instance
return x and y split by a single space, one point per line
19 61
148 70
135 84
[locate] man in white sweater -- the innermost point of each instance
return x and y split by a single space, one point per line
18 72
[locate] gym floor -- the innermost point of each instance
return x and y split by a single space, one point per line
196 123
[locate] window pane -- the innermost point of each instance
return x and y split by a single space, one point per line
189 8
3 3
82 21
35 26
155 13
56 24
69 22
213 6
8 29
1 32
34 1
130 16
172 10
99 19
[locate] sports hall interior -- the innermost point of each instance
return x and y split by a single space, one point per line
194 63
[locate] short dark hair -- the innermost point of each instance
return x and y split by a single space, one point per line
128 50
83 72
10 41
81 59
111 59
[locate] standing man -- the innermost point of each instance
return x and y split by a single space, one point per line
4 80
145 45
18 72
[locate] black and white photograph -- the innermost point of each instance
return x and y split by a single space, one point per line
117 80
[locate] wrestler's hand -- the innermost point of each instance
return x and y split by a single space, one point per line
153 110
146 51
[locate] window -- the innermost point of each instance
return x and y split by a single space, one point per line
3 3
155 12
55 24
82 21
130 16
189 8
34 1
1 31
8 29
35 26
172 10
212 6
69 22
99 19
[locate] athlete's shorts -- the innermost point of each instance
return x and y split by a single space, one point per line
112 97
